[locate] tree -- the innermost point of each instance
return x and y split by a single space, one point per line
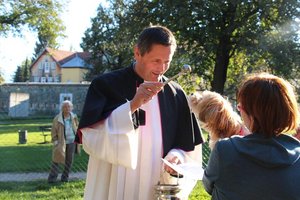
220 39
112 36
47 35
22 73
214 32
18 75
26 71
39 16
1 77
109 42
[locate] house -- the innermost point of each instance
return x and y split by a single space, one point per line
60 66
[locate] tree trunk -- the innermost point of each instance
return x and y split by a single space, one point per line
221 66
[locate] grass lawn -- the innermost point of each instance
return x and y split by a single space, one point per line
72 190
41 190
34 156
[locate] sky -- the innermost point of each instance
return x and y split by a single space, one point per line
76 17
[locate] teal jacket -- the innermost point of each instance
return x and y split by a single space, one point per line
254 168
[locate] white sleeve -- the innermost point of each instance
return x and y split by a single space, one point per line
114 140
187 184
194 156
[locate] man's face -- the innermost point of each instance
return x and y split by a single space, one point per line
152 65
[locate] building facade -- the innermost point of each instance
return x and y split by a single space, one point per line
58 66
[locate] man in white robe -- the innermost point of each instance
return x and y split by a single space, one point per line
131 120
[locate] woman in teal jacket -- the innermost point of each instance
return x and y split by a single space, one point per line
264 165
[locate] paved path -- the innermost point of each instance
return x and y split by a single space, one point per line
7 177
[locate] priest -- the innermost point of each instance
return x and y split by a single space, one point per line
131 119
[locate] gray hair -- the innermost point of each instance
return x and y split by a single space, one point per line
66 102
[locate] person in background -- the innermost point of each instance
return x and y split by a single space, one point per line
63 132
131 120
263 165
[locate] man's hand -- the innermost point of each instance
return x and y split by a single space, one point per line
174 160
145 93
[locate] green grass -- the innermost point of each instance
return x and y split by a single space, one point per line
41 190
34 156
32 125
199 193
73 190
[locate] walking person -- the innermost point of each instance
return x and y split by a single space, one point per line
63 132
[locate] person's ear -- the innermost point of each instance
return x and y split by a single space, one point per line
136 52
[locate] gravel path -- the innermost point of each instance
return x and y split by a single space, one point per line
7 177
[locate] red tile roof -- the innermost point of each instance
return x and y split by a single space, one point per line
58 55
61 56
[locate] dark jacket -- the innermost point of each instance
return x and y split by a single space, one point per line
254 168
108 91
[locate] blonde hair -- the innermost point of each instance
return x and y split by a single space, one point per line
216 114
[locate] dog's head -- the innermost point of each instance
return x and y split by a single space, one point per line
216 114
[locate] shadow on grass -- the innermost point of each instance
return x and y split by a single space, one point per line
42 190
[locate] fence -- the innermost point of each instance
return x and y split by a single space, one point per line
26 151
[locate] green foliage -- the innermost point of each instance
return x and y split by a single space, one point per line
42 17
39 16
22 73
18 75
190 83
221 39
199 193
109 40
1 76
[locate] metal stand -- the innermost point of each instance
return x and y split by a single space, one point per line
167 191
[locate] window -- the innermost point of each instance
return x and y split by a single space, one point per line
65 96
36 79
43 79
47 67
40 65
53 65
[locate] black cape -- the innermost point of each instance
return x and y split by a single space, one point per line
109 91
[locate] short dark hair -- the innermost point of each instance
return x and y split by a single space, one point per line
155 35
270 102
